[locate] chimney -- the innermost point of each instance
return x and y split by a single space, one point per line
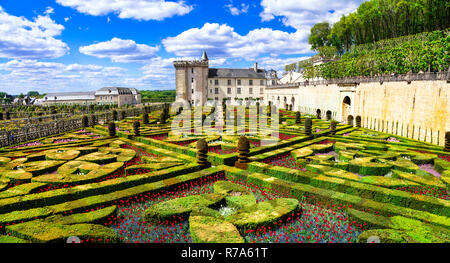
256 67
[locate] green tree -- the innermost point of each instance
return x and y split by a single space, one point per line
33 94
290 67
319 35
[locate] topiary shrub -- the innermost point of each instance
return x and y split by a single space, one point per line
123 115
145 118
136 128
308 126
333 127
244 150
115 115
92 120
1 116
350 120
358 121
328 115
447 142
112 129
162 118
202 153
8 115
203 118
297 117
85 121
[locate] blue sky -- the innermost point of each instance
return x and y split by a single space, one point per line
80 45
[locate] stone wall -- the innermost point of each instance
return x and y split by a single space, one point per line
417 110
413 106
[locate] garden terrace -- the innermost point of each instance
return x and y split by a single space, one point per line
222 148
26 129
325 187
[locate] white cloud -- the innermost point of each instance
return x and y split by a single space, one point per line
301 14
221 41
135 9
119 50
49 10
67 18
21 38
235 11
25 75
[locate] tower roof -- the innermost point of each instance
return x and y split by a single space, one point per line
204 56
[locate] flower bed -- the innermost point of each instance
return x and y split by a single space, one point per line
313 224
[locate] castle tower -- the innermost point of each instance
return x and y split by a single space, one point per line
192 80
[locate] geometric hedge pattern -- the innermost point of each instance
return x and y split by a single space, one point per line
341 185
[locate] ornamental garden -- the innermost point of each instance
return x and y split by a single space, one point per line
145 180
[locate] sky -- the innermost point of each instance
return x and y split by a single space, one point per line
83 45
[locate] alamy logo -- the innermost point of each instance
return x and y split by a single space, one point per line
373 239
73 239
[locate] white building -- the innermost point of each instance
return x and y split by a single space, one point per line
107 95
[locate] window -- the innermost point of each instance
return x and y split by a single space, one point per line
210 81
250 90
216 90
229 82
228 90
210 90
273 82
192 80
192 90
250 82
192 70
216 82
239 82
261 90
261 82
238 90
110 98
